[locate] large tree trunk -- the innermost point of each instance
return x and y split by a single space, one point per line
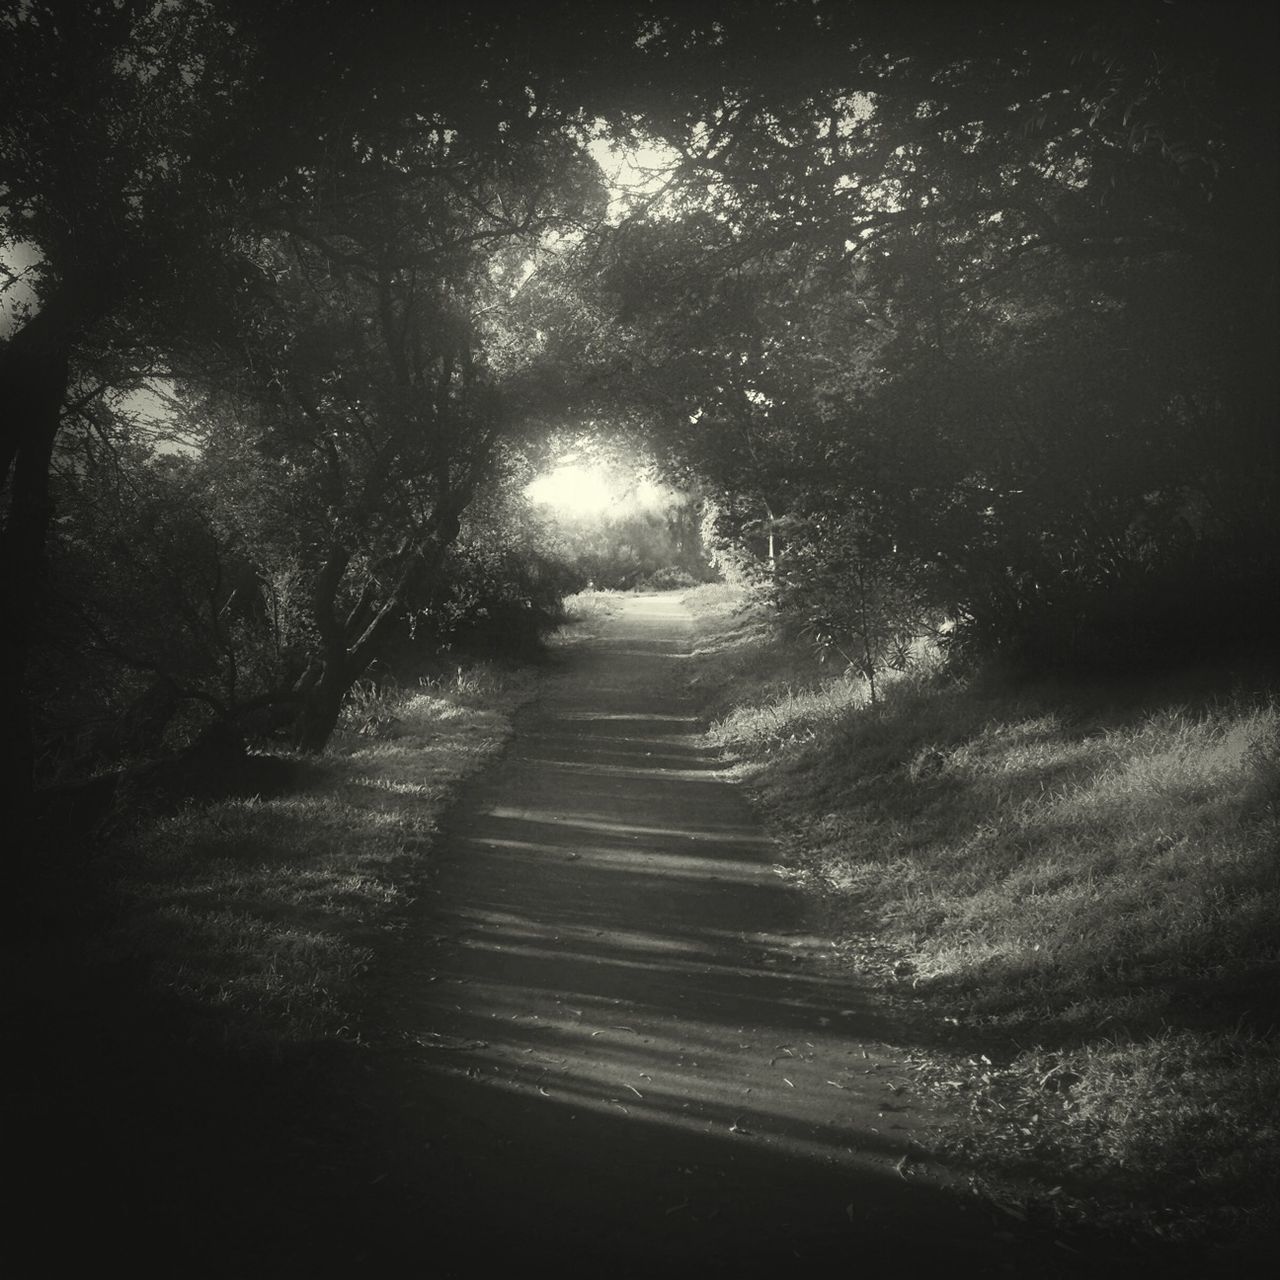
322 694
321 707
34 373
346 655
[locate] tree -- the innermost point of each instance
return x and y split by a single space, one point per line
144 148
1001 283
991 286
373 378
112 186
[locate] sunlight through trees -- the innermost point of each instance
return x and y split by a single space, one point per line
976 312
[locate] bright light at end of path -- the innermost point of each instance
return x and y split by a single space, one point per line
574 489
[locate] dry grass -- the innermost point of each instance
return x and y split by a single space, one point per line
1095 879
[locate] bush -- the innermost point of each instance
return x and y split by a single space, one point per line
667 579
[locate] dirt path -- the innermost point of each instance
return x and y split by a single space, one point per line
610 1038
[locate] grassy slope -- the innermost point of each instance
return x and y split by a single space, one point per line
260 914
251 921
180 1007
1086 883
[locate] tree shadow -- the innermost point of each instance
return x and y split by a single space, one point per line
612 1017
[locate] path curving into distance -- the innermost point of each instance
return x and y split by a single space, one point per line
616 1046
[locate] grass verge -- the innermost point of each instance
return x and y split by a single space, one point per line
258 916
187 1086
585 614
1083 884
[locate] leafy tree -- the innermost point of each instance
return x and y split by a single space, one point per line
155 612
984 294
368 388
999 286
112 187
146 150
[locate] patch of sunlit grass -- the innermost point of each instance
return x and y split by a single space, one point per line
1192 1112
585 613
791 715
1044 865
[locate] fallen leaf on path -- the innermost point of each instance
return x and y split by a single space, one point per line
1011 1209
435 1040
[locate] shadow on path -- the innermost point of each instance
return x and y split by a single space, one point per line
606 1042
611 1034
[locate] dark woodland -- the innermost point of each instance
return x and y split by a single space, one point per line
948 329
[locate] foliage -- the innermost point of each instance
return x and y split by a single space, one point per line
158 621
852 593
993 294
624 549
506 577
967 319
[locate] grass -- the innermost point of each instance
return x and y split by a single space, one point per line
259 916
188 1081
585 613
1083 882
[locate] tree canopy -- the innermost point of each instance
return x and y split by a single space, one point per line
966 311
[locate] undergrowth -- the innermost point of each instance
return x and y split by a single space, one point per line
1084 881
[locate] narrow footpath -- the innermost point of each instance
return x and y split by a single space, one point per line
615 1042
603 1040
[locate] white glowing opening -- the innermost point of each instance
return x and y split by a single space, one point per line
575 488
583 488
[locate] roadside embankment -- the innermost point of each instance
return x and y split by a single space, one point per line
182 1009
1082 883
259 914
